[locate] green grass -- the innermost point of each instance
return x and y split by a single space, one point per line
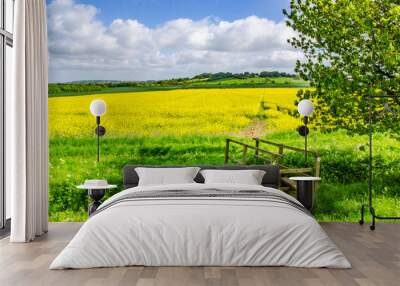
337 202
256 82
72 160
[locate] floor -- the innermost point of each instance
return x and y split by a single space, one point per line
5 231
375 257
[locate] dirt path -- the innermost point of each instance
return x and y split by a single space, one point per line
256 128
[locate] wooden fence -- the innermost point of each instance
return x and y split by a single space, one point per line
273 157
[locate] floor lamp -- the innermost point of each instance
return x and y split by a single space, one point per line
305 108
98 109
369 205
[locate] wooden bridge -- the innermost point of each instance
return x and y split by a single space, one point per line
273 153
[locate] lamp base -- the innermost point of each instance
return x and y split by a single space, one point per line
374 216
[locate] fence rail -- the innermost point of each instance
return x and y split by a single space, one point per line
275 158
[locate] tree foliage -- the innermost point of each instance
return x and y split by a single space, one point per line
352 50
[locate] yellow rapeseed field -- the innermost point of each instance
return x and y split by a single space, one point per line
175 112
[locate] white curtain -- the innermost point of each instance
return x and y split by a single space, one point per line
26 124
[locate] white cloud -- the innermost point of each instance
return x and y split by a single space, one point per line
82 47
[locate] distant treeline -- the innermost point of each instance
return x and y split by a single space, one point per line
92 86
224 75
55 88
97 86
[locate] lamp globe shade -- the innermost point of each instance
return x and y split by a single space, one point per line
305 107
98 107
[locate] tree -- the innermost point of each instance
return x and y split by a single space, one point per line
351 49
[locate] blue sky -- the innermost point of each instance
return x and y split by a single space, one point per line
160 39
156 12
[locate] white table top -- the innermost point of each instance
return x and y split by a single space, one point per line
305 178
86 187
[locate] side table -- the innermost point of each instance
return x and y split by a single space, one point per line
305 190
96 193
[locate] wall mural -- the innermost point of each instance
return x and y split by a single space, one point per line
168 103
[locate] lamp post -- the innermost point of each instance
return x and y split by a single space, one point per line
98 108
305 108
369 206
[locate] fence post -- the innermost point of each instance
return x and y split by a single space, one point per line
317 171
244 155
317 166
227 151
280 151
257 145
